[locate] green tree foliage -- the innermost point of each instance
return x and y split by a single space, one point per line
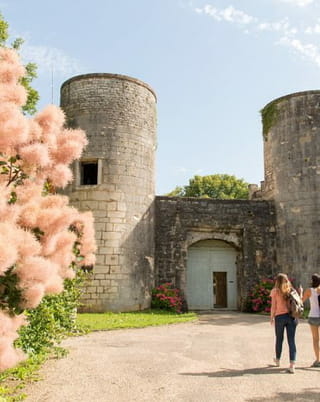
217 186
31 68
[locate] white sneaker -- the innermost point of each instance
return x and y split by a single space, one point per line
276 362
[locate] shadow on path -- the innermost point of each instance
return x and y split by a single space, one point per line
240 373
306 395
270 369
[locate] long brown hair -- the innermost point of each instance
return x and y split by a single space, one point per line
283 284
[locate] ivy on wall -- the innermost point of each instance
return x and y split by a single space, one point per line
269 116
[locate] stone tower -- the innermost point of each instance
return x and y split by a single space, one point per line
291 126
115 180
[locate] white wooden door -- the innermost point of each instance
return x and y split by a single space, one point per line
204 259
199 281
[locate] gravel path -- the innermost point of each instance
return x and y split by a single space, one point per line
221 357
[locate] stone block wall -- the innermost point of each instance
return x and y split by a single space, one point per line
292 177
249 226
118 114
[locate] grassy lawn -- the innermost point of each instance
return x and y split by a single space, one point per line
139 319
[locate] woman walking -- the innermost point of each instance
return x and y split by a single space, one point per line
313 295
282 320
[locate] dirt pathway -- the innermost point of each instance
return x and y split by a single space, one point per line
222 357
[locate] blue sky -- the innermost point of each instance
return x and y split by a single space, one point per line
214 64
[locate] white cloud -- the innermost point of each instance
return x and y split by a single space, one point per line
228 14
48 59
288 35
282 26
299 3
244 20
313 29
308 51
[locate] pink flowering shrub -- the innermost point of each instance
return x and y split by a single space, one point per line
167 297
259 300
43 240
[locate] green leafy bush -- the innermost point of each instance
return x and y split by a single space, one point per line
52 319
167 297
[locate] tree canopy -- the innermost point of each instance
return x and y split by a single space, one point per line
30 68
217 186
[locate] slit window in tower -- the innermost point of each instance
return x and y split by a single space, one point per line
89 173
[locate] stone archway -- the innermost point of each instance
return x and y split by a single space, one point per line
211 277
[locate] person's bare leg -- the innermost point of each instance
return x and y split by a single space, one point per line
315 340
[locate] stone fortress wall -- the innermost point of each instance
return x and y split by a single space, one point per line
249 226
143 240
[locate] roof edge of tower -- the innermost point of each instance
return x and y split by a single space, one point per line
110 76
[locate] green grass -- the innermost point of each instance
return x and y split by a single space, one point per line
12 381
141 319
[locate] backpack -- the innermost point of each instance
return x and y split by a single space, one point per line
295 304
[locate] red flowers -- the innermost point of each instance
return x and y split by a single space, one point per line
259 298
167 297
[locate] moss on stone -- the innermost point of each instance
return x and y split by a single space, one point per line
269 116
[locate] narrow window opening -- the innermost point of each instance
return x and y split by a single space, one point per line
89 173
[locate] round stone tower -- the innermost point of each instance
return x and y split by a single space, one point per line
115 180
291 127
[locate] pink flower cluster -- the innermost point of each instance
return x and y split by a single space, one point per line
259 297
35 236
167 297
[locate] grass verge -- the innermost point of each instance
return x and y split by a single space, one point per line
136 319
13 381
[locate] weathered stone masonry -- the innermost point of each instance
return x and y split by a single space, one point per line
144 240
292 181
119 116
249 226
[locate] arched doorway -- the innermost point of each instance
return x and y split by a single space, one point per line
211 276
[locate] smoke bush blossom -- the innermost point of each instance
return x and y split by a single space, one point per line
42 238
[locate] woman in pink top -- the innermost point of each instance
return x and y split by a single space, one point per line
282 320
313 294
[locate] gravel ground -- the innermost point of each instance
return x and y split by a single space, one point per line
222 357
